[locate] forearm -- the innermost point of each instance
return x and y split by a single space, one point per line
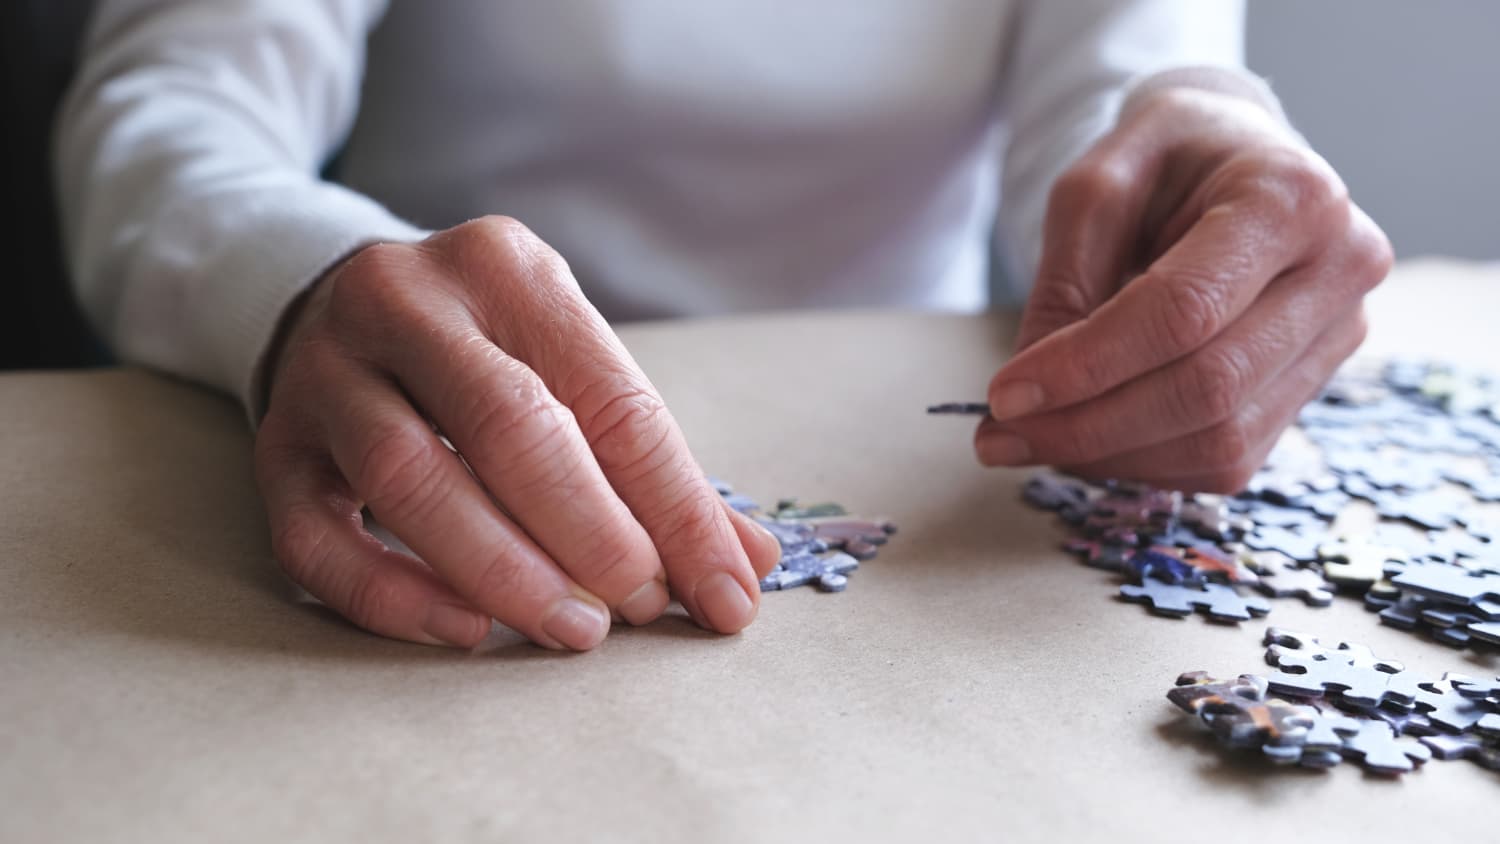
187 154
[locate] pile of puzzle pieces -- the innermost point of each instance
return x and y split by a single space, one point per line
820 543
1324 704
1418 443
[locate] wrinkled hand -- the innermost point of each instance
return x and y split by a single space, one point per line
575 497
1202 276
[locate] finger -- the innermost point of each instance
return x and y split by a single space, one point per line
1200 286
764 549
1224 456
632 435
1193 392
422 492
1094 213
321 543
527 449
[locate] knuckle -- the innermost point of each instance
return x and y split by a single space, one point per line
1089 371
507 240
1314 184
1290 183
1092 186
399 472
500 580
1058 298
496 231
629 430
375 597
1372 256
372 289
1217 381
608 551
520 419
504 265
1190 314
688 520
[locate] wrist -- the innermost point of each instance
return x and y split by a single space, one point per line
288 327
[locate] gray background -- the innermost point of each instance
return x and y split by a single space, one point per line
1404 99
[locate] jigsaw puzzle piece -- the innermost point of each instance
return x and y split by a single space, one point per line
1433 510
1354 563
1446 706
1160 565
1378 749
1477 750
832 582
1469 687
1489 725
1280 577
1214 564
1299 546
857 537
1239 713
1218 602
787 508
1161 598
960 408
1047 491
1348 672
1405 613
1100 555
1453 585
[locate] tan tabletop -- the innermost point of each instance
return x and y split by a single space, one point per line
158 682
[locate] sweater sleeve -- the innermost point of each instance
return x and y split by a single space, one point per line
187 158
1069 68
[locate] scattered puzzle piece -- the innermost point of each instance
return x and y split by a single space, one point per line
1353 563
820 544
1283 579
1218 602
1379 750
1351 673
1482 753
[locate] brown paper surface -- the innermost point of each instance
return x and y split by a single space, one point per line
158 683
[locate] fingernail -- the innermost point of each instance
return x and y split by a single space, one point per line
645 603
454 625
723 602
576 624
1003 450
1016 398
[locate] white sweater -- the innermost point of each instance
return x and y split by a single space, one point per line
685 157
